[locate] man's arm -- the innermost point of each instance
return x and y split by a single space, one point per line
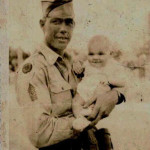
44 128
81 122
77 105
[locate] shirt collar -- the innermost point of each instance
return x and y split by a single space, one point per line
49 54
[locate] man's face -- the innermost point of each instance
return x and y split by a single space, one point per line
58 28
97 55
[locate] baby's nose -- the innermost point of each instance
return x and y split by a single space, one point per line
96 56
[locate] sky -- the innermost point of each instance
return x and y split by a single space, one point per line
124 22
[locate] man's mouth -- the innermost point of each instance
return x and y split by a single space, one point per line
62 39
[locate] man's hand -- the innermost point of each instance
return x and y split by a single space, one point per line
104 104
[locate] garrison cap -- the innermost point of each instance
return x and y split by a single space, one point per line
49 5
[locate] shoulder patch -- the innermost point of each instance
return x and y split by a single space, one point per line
32 92
27 68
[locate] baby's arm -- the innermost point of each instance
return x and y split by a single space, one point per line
119 83
117 76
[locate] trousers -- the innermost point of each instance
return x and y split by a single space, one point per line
84 142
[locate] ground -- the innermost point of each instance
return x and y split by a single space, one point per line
129 124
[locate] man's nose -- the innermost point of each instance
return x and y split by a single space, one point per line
63 28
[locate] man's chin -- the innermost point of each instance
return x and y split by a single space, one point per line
60 47
61 44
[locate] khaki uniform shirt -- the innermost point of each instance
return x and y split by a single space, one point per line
46 86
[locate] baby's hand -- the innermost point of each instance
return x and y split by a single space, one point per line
101 89
87 111
80 124
78 67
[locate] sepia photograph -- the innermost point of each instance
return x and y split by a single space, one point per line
75 74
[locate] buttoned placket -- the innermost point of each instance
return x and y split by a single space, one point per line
62 67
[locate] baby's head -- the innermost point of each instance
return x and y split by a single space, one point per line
98 51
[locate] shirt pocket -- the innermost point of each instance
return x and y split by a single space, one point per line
61 98
60 93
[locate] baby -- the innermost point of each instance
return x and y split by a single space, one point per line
102 74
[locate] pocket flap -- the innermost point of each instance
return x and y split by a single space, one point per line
57 88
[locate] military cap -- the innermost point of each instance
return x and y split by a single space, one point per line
49 5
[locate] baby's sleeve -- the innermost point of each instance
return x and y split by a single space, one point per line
118 78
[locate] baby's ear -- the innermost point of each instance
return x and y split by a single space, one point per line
110 52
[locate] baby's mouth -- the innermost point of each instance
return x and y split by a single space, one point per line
96 61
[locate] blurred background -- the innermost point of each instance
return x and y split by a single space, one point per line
127 24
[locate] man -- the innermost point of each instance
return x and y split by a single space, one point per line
46 85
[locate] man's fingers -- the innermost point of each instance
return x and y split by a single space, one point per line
90 101
99 117
94 113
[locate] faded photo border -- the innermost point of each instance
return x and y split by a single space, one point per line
128 111
4 75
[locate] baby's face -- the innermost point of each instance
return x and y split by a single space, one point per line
98 56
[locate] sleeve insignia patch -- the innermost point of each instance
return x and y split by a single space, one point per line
32 92
27 68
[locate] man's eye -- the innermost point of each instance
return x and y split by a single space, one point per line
56 21
69 22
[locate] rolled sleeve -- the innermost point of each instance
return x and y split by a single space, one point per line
43 127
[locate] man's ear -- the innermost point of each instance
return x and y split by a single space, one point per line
42 22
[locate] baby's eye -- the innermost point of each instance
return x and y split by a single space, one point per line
100 53
91 54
